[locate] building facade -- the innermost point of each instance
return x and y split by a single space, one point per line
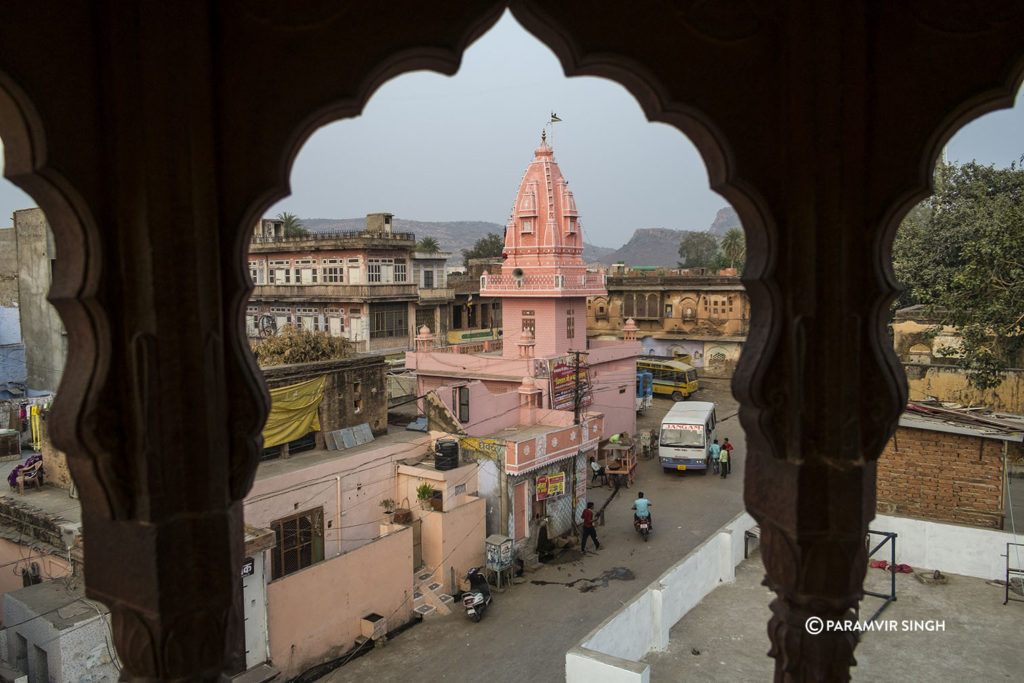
700 314
369 286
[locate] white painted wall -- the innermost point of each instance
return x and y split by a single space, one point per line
612 651
950 548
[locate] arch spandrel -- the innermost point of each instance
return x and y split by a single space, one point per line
817 121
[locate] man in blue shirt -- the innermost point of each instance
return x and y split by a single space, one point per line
643 509
714 453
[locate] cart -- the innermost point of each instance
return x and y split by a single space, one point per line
620 463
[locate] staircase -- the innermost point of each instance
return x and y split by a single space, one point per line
429 598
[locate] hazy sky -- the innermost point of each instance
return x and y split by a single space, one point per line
431 147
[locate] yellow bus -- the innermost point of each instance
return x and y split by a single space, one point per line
671 377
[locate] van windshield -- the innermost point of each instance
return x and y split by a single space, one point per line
686 436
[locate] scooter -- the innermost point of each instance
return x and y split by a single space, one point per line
642 526
476 599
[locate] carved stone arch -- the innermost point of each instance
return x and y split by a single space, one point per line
72 293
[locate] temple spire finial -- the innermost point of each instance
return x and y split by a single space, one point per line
543 136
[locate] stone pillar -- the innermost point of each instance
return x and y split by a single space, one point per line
526 344
424 340
629 331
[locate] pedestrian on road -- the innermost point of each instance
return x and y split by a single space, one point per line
588 529
715 451
727 449
723 456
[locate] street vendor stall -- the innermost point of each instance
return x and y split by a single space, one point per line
619 461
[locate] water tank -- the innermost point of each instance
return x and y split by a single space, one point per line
446 454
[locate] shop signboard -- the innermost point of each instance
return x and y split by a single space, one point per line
564 381
550 485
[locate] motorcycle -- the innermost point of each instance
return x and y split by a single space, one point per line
642 526
476 599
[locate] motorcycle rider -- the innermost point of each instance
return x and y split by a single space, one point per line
643 510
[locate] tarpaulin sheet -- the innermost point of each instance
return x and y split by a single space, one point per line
293 412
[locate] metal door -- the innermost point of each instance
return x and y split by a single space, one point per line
417 543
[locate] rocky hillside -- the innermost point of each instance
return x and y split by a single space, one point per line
649 247
453 236
724 221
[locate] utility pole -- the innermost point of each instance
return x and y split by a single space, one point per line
576 398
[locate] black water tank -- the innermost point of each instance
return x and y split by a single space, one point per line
446 454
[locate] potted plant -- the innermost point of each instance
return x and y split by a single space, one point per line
389 508
424 492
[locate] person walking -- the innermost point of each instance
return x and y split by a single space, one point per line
714 454
723 466
588 529
727 449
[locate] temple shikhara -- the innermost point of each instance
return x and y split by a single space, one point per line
532 407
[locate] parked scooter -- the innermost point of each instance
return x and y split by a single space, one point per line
476 599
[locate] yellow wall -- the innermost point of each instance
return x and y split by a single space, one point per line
949 384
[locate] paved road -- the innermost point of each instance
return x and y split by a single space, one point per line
528 629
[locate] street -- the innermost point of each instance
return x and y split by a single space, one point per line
529 627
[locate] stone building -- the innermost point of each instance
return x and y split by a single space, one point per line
927 349
370 286
698 313
42 332
139 114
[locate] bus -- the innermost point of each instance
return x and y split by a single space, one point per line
687 432
671 377
644 391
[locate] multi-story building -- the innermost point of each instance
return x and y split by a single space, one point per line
370 286
693 312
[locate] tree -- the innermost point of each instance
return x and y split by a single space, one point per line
293 227
294 345
490 245
959 253
428 245
734 246
698 249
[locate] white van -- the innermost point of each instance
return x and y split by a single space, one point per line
687 432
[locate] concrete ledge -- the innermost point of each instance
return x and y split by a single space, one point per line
952 548
613 650
585 666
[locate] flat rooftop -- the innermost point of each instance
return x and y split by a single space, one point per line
725 636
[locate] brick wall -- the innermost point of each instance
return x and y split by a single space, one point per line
350 383
943 477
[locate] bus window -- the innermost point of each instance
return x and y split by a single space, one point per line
687 438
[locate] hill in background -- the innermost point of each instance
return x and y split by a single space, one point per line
647 247
453 236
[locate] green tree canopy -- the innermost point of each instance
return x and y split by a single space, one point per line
294 345
698 249
489 246
734 246
293 227
959 252
428 245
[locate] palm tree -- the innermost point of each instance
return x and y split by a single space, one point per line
293 227
734 246
428 245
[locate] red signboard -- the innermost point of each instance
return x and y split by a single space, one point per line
564 381
687 428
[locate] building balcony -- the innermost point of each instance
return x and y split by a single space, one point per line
335 292
573 284
436 295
